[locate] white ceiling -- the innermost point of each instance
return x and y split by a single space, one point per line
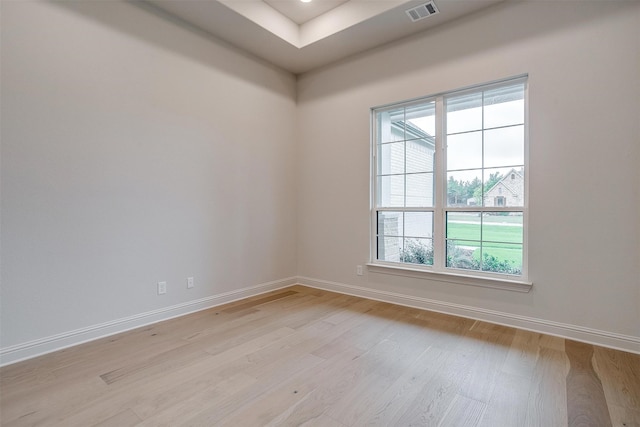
299 38
300 12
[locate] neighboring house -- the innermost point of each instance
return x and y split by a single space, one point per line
418 147
509 191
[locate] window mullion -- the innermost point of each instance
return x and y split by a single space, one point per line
483 189
440 178
404 146
375 167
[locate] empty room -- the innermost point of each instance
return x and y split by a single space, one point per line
320 213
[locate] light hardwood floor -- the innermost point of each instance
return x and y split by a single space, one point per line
301 356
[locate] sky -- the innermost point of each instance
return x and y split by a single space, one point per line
503 145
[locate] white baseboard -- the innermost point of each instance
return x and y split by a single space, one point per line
31 349
578 333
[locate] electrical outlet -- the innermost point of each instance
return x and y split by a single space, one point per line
359 270
162 288
189 282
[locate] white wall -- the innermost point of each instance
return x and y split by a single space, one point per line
583 61
135 150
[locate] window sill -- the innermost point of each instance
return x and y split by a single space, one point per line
460 279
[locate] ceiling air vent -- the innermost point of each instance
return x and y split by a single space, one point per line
423 11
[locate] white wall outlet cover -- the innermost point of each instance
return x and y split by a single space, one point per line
162 288
189 282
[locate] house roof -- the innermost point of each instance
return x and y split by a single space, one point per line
507 182
413 132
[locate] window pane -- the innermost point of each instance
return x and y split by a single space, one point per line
504 147
464 188
463 225
390 248
390 223
464 113
391 126
418 224
421 121
422 117
503 187
418 251
463 254
503 258
464 151
420 190
502 227
420 156
391 191
391 158
504 106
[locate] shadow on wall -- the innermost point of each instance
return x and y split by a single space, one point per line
182 38
482 31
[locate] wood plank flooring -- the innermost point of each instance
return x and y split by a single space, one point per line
300 356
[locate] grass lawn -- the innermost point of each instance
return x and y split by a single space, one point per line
504 241
490 232
512 254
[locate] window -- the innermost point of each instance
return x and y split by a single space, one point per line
449 190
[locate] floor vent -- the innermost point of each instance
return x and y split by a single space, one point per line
423 11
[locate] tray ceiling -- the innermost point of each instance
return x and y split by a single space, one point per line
299 37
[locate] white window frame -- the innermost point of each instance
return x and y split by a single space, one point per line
438 271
